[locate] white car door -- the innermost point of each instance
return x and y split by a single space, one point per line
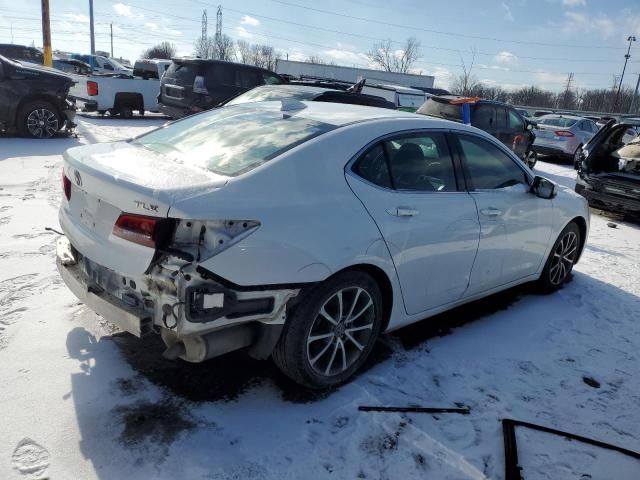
409 186
515 224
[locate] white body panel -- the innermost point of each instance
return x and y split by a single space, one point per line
109 87
314 222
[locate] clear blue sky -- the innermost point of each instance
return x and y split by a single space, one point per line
518 42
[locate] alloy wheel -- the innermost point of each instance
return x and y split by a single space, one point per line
42 123
341 331
563 258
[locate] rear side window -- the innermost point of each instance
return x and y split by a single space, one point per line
232 140
247 78
441 109
373 167
484 117
489 168
421 163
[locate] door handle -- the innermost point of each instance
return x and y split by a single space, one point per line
402 212
491 212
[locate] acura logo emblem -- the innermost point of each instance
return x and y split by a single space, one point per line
78 178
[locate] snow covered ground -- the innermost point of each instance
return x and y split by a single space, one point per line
82 402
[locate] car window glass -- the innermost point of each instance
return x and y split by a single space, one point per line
515 122
232 140
558 121
246 78
270 78
373 167
489 167
220 75
484 117
501 117
421 163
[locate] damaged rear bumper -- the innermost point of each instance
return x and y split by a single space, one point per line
198 318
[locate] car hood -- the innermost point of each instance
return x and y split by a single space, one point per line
32 70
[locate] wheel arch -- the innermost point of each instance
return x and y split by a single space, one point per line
35 97
383 281
133 100
582 226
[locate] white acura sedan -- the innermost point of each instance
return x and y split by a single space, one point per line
302 230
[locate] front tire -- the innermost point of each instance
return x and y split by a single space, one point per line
38 119
563 256
531 158
331 331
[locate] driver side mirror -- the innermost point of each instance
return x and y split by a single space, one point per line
543 187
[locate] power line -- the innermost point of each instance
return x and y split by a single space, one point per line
439 32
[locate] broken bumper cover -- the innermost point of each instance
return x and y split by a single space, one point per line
131 319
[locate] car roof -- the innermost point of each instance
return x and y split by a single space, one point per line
336 114
562 115
288 87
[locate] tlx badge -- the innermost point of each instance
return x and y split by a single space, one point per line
145 206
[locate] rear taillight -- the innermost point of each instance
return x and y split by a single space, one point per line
66 186
138 229
564 133
92 88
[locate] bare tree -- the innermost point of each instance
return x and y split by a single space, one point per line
224 48
162 50
401 60
214 49
466 82
243 51
317 59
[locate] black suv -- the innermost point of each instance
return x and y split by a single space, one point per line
496 118
303 91
34 100
193 85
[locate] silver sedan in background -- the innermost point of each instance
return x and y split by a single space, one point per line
563 135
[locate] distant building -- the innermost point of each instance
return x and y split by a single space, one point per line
352 74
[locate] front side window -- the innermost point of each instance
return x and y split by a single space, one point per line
421 163
270 78
515 121
232 140
246 78
488 167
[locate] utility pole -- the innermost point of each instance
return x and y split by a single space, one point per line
219 25
630 39
91 33
566 91
46 34
111 27
204 26
635 95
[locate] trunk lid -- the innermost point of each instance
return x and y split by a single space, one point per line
114 178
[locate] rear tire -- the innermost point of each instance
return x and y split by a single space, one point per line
531 158
125 112
38 119
557 269
331 332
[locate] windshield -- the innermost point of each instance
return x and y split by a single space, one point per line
558 121
270 93
232 140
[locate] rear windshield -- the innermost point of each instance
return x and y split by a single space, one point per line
270 93
441 109
232 140
181 73
558 121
